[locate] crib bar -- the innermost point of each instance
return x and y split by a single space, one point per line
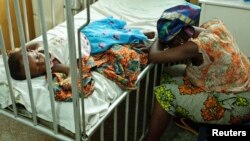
102 132
144 128
117 102
53 12
47 64
83 4
145 103
111 108
136 109
126 94
73 69
76 6
144 72
26 21
162 68
126 118
7 70
154 84
80 66
25 59
115 125
7 6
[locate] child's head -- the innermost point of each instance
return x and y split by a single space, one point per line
36 64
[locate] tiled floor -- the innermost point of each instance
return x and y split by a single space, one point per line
13 131
175 133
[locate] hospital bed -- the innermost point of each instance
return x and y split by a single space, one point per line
31 101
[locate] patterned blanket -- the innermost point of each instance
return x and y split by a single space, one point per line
121 64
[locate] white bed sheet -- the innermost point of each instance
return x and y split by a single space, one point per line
141 14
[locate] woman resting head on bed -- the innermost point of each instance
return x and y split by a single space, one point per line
36 58
215 84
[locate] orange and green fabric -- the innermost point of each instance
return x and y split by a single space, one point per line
121 64
225 68
180 98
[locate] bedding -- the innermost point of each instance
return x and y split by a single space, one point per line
104 33
139 14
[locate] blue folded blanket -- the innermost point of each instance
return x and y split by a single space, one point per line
102 34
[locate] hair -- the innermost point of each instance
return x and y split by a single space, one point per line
15 65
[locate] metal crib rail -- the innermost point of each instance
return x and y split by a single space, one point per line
73 69
70 25
125 96
15 115
25 59
47 64
7 6
26 21
81 133
84 137
6 65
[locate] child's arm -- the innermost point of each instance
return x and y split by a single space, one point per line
61 68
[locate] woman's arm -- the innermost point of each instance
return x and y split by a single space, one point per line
159 54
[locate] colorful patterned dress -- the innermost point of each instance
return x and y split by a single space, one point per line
217 91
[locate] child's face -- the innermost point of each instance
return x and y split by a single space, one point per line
36 63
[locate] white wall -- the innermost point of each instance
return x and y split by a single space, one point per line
76 5
236 16
59 14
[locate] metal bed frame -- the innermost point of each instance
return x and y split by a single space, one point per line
78 103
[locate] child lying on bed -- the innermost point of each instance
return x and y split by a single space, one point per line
215 86
105 63
36 58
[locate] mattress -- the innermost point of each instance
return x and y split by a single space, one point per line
141 14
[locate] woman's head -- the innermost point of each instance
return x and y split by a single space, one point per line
183 36
36 64
174 21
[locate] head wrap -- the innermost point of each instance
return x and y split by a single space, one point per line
173 19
